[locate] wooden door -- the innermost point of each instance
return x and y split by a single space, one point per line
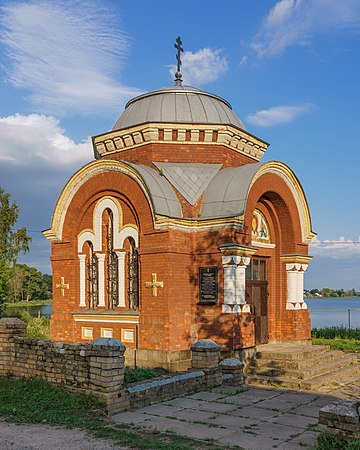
257 297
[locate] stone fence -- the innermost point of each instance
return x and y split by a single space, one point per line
98 368
341 418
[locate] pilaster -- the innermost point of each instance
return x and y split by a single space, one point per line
235 260
296 266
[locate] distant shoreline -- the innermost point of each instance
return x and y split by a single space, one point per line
28 303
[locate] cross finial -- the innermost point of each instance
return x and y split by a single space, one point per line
178 75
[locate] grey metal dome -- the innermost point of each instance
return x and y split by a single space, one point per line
178 104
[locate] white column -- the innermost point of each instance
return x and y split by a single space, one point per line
121 277
243 262
101 272
82 260
295 280
229 284
296 266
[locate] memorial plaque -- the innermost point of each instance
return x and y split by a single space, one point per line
208 284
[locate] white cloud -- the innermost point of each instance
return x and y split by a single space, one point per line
201 67
243 61
296 22
65 55
278 115
39 140
335 249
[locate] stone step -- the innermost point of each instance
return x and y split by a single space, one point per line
290 353
329 378
311 384
298 364
307 373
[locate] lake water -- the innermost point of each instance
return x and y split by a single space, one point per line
333 311
45 310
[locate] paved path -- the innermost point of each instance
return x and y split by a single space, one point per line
257 418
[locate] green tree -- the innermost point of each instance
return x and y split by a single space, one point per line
12 243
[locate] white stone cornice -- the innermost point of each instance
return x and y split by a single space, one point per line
227 135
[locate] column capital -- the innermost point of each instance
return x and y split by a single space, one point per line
234 249
120 254
100 256
296 259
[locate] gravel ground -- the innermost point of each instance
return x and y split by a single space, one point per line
44 437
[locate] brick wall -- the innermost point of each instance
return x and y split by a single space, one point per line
97 368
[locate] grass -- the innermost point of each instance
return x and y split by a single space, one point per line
338 338
329 442
336 333
36 327
46 404
345 345
134 374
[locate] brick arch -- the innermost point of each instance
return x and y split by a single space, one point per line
279 183
272 196
86 185
127 200
278 202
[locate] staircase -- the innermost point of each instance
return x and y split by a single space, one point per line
300 366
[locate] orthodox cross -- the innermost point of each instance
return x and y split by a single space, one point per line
62 286
153 284
179 49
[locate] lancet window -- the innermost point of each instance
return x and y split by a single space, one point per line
133 275
108 259
92 278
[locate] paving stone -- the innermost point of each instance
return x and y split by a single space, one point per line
294 420
253 412
192 415
184 403
207 396
248 441
307 410
299 398
289 446
276 431
160 410
130 417
323 401
278 405
263 392
193 430
242 400
216 407
306 439
232 421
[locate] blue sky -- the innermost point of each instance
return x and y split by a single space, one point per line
290 70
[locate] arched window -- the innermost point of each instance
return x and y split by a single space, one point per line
92 277
108 260
133 275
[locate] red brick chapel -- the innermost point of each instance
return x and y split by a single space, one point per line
178 232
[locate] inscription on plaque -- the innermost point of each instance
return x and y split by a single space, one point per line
208 284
